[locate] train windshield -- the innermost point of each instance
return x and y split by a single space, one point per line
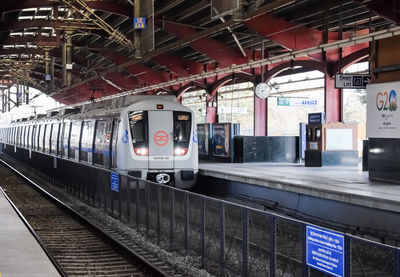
182 124
138 125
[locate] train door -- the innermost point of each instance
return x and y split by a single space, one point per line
161 141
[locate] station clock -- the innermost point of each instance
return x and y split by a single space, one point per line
262 90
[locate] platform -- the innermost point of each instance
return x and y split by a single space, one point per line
345 184
20 253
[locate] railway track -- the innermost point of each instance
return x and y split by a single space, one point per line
76 246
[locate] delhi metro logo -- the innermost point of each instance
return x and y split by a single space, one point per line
160 138
386 101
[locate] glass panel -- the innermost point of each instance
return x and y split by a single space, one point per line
53 140
65 139
102 143
28 137
182 123
236 105
114 143
47 138
196 101
86 141
33 137
74 139
138 124
39 136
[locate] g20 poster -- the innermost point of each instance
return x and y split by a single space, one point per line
383 111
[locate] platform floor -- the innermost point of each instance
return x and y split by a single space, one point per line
20 253
346 184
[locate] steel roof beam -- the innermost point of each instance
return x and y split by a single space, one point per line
111 7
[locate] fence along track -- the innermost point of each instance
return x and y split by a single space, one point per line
227 238
74 245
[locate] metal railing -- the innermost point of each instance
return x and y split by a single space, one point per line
223 237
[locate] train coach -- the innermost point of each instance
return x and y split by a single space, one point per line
149 137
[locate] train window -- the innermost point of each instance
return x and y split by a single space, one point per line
74 139
19 129
139 132
114 143
27 137
49 128
102 143
54 139
86 145
37 136
23 136
14 134
33 141
138 125
182 131
40 137
65 138
17 136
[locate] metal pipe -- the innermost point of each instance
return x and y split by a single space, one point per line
52 74
69 59
2 101
64 63
17 95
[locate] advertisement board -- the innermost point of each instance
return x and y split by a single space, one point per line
383 114
203 134
221 139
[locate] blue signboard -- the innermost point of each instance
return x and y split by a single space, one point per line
115 181
139 23
48 77
316 118
286 101
325 250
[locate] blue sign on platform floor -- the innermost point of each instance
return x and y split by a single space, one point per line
325 250
115 181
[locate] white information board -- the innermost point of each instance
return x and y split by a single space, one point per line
339 139
383 113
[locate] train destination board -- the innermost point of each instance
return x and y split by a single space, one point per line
325 250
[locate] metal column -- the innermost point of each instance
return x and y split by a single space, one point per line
137 33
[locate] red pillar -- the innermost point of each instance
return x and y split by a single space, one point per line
333 101
260 116
212 116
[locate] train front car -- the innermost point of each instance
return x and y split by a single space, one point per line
158 142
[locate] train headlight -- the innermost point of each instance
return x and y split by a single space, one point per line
180 151
141 151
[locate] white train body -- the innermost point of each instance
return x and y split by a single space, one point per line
149 137
164 147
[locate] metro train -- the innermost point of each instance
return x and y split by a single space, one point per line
149 137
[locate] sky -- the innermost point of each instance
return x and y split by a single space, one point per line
40 104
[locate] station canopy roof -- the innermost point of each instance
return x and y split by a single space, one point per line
183 40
